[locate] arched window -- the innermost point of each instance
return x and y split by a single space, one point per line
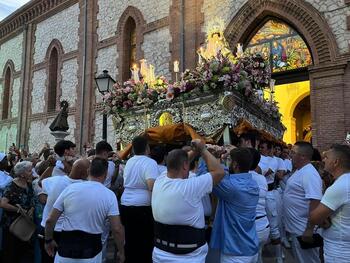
53 73
281 45
6 94
129 48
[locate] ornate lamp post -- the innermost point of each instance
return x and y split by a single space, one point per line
104 82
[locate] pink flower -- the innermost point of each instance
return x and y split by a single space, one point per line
169 96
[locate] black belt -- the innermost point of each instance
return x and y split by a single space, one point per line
178 239
79 244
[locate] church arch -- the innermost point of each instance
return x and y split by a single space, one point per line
300 15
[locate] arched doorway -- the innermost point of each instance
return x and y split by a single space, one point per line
302 116
289 57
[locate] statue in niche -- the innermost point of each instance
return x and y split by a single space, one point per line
60 123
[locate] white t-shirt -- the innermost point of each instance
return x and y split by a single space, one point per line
288 164
280 164
303 185
162 168
179 202
266 163
86 206
53 187
138 170
263 222
58 169
337 198
110 173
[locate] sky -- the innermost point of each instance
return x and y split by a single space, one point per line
9 6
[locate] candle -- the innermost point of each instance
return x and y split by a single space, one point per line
200 53
144 69
239 50
135 73
152 77
176 66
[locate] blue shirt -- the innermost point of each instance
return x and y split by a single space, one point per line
234 225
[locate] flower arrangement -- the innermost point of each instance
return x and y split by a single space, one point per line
246 74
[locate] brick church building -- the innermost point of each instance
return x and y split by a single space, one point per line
51 50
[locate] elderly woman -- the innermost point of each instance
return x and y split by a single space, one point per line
19 192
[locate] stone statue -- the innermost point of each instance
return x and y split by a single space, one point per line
60 123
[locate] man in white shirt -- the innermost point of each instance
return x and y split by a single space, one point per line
103 149
139 175
261 221
52 187
158 154
177 207
336 204
86 207
302 194
269 167
65 152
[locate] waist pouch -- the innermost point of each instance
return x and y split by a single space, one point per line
79 244
178 239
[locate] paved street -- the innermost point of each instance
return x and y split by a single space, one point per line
213 258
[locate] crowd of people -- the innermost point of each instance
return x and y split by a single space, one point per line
194 203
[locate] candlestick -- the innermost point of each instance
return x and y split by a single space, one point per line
272 85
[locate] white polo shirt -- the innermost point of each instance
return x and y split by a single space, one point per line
138 170
337 237
86 206
179 202
303 185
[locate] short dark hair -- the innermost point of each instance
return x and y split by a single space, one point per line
63 145
306 149
255 158
316 156
158 153
103 146
249 136
139 145
243 158
98 167
91 152
268 144
343 153
176 159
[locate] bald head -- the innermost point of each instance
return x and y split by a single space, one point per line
80 169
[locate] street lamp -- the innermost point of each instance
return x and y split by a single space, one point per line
104 82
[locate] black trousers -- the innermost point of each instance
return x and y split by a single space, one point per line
139 235
16 250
